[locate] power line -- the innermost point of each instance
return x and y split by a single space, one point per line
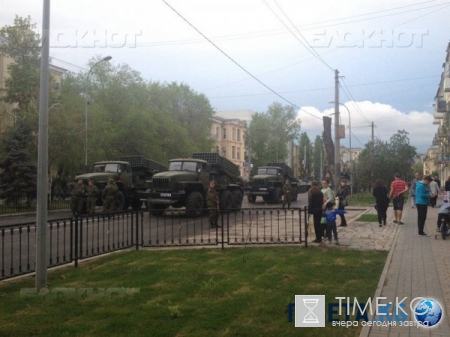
235 62
307 45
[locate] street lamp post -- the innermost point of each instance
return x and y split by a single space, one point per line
107 58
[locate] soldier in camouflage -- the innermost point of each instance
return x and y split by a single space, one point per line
109 196
92 192
77 197
287 193
212 201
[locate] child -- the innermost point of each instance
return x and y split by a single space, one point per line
330 215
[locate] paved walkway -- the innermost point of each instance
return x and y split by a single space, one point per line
417 266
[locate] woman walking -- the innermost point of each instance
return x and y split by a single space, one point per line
380 192
342 194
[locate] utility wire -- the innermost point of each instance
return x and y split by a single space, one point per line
307 45
236 63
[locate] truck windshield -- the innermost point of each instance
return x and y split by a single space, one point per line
111 168
271 171
183 166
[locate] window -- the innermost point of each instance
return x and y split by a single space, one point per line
238 153
224 133
234 134
238 135
233 152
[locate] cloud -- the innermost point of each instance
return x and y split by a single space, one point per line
387 121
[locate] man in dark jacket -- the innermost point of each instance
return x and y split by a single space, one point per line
212 201
315 203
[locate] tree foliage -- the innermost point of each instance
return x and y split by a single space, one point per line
305 156
319 158
382 160
19 173
270 132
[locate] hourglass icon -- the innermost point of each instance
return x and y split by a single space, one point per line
310 304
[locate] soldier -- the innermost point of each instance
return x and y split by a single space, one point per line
212 201
287 193
92 192
109 196
76 197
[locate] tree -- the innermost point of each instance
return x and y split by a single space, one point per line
19 175
305 156
271 131
22 44
319 158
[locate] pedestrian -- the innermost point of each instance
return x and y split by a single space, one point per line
412 190
422 201
315 200
92 192
212 201
328 194
330 215
438 181
109 196
443 215
397 194
287 192
342 194
447 189
380 193
76 197
434 192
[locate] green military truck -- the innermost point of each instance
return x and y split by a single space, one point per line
131 174
269 181
186 182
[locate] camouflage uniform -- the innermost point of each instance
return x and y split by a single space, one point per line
212 201
77 198
287 193
92 192
109 196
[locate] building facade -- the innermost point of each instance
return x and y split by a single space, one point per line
438 156
229 140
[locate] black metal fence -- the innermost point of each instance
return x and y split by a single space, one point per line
73 239
28 204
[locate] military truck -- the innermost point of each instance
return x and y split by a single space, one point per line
186 182
269 181
131 174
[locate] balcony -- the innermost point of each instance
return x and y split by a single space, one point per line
446 84
441 105
438 115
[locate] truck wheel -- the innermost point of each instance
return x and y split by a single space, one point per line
194 204
157 209
226 200
120 201
251 198
237 199
294 194
277 195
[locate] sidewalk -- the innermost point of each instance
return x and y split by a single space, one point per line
417 266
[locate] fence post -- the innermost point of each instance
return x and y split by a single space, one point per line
137 229
305 216
222 228
76 240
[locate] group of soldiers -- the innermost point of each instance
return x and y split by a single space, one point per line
87 195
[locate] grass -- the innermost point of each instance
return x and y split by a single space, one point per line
204 292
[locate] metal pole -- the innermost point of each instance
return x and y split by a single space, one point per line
42 178
337 146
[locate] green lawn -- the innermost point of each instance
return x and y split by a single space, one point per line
199 292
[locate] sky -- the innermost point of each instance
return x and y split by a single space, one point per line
245 55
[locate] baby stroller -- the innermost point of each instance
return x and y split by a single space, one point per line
444 227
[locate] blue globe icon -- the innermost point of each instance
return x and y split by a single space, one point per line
428 312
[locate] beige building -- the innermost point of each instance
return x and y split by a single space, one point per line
438 156
7 111
229 140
